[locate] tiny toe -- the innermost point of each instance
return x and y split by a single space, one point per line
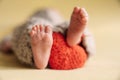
40 27
34 28
76 10
37 27
48 29
32 33
83 12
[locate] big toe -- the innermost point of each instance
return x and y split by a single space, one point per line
48 29
83 12
83 16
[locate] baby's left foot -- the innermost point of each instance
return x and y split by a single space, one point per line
41 42
79 19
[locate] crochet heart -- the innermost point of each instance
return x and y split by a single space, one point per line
64 57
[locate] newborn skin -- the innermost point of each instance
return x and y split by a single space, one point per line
78 22
41 42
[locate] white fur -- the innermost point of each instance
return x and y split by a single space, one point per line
89 43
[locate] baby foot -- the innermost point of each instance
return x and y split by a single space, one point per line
41 42
79 19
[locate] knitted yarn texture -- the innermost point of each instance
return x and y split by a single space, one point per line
64 57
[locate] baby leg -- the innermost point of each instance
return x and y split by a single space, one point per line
79 19
41 42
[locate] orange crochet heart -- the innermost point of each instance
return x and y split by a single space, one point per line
65 57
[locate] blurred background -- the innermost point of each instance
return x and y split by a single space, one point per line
104 23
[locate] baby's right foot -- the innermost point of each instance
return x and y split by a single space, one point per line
41 42
78 22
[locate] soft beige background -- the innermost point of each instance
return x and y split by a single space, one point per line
104 23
